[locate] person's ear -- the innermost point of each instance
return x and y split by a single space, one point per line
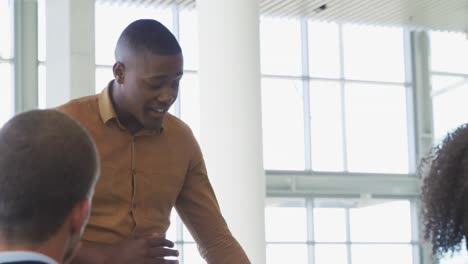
119 72
79 216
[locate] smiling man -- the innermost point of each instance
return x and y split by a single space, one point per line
150 160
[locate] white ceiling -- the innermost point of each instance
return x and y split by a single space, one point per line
451 15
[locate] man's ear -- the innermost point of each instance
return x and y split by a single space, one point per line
79 216
119 72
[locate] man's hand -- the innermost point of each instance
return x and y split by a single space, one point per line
146 251
150 250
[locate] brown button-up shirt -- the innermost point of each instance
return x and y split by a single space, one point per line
144 175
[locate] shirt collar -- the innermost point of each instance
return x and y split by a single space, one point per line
17 256
106 109
107 112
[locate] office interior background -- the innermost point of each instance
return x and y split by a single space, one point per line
351 95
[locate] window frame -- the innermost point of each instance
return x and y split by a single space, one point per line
415 242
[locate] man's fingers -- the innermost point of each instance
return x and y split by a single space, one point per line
160 261
159 242
166 261
161 252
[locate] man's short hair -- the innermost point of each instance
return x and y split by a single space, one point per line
48 163
147 35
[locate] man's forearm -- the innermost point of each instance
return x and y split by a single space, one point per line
226 251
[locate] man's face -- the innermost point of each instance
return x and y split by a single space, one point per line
150 87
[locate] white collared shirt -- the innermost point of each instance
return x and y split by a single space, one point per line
12 256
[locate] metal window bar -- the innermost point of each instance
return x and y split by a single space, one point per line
343 100
410 104
176 27
310 230
306 95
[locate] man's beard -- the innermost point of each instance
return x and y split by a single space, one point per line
71 248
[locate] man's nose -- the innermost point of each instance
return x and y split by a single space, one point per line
166 96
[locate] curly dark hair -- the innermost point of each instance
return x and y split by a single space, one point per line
445 174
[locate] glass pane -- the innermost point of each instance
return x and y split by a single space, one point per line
281 254
41 30
280 46
190 102
326 126
324 50
377 134
103 77
171 232
188 30
283 124
440 83
191 255
7 97
328 254
382 254
449 52
112 19
290 211
329 225
41 85
449 110
367 221
186 235
373 53
457 258
6 28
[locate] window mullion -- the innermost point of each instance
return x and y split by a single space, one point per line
306 95
348 235
176 30
310 230
343 99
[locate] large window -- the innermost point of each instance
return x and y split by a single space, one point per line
334 97
449 53
340 231
6 61
335 101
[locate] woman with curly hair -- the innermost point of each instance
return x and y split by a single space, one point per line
445 193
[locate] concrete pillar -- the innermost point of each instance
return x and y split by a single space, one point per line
70 50
230 120
25 55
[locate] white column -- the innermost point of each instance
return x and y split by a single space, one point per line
25 55
231 131
70 50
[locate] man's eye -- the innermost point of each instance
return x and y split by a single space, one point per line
155 86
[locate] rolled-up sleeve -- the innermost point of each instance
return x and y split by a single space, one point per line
199 210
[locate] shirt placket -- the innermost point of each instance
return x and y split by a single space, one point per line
133 175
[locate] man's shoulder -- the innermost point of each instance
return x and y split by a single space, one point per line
174 122
25 262
25 257
176 126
